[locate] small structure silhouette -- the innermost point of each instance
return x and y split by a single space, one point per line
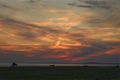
117 66
52 67
14 65
85 65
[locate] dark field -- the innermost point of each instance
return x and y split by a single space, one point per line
60 73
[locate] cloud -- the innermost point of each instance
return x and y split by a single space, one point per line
113 50
24 32
84 6
29 39
32 40
92 4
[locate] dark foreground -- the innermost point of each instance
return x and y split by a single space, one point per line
60 73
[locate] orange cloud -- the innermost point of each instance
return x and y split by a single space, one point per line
59 23
113 51
15 48
64 18
111 39
81 58
21 48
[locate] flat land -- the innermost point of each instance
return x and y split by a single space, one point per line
60 73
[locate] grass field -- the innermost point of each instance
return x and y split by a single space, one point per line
60 73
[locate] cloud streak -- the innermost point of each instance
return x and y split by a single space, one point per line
92 4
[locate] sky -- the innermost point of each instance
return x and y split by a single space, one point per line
59 31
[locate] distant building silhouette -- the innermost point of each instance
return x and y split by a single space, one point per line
14 65
52 67
85 65
117 66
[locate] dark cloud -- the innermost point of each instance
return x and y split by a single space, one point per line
91 4
22 26
27 35
33 1
7 6
84 6
72 4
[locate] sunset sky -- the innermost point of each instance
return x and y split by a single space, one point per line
59 31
